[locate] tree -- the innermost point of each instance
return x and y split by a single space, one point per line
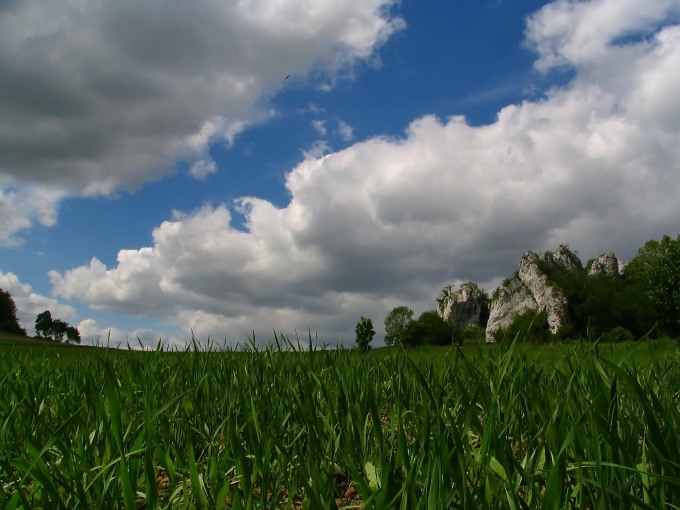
429 329
56 329
365 333
599 303
412 334
72 335
436 330
59 328
8 315
657 268
43 324
395 322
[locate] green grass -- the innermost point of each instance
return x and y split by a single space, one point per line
569 426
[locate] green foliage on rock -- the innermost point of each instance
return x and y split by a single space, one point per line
597 304
530 325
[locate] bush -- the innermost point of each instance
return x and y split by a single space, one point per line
411 335
473 333
531 326
618 334
436 330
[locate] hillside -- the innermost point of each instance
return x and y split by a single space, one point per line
7 339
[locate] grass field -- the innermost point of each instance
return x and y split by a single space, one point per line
511 426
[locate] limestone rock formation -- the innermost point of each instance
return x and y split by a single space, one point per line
531 290
605 264
563 257
462 307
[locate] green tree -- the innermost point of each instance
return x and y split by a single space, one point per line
56 329
600 303
59 328
8 315
395 322
72 335
412 334
364 334
436 330
429 329
657 268
43 324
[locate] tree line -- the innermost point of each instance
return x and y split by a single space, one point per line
56 329
45 326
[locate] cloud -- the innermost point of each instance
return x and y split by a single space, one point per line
29 304
345 131
21 207
576 33
320 127
318 150
389 221
100 96
91 333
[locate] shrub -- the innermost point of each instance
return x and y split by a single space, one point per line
436 330
473 333
618 334
530 325
412 334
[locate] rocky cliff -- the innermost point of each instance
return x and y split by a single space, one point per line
530 288
463 307
606 264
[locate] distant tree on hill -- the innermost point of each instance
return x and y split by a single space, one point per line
43 324
395 322
8 314
365 333
72 335
56 329
59 329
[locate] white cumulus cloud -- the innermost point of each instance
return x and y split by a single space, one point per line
389 221
106 95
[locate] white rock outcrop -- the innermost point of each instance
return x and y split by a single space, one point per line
606 264
462 307
531 290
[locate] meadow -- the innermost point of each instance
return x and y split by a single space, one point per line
516 426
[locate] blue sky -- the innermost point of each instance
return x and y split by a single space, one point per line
385 149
